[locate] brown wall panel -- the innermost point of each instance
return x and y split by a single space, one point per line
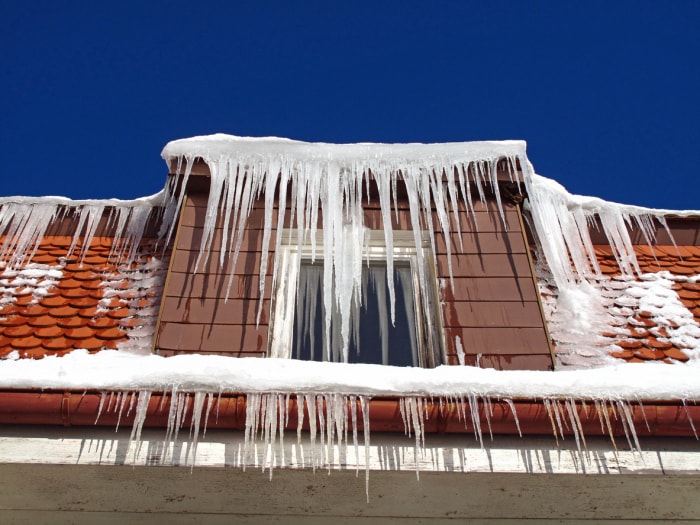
493 306
212 338
201 285
497 340
481 242
248 263
506 362
490 289
484 265
234 338
214 311
492 314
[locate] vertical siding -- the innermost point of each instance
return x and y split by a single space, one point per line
196 317
492 306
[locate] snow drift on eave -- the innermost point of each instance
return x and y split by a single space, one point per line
327 180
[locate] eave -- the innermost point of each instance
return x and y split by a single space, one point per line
525 417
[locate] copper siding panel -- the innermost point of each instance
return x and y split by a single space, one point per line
191 239
248 263
193 216
216 311
212 338
505 362
490 289
497 340
179 336
234 338
481 242
492 314
517 362
200 286
485 265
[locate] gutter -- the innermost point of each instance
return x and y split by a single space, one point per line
526 417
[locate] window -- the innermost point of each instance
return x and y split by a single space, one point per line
358 328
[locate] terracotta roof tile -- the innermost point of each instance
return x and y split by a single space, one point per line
640 327
13 320
675 353
91 285
110 333
22 330
92 343
26 342
649 354
84 306
57 343
82 332
48 331
82 303
68 283
44 259
119 313
41 321
75 293
33 311
63 311
90 312
102 322
71 322
55 301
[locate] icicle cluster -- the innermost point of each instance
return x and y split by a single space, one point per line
24 221
325 184
331 423
562 222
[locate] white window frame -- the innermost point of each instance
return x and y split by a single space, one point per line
429 334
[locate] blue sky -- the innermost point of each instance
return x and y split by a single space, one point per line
605 93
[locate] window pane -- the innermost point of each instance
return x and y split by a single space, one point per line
373 339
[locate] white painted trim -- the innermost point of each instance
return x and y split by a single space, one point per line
387 452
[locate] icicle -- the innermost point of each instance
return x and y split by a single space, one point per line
628 424
253 403
548 407
690 419
197 405
576 428
103 396
123 397
139 419
353 414
364 405
511 405
210 400
476 420
24 222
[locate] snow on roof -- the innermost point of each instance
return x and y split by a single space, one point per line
212 148
126 371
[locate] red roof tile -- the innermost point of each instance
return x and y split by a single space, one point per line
639 333
79 309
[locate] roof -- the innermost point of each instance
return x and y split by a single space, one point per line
94 299
653 315
107 279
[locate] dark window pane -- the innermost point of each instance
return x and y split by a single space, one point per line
373 339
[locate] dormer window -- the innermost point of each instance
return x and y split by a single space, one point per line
359 327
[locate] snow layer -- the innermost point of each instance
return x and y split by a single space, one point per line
118 370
